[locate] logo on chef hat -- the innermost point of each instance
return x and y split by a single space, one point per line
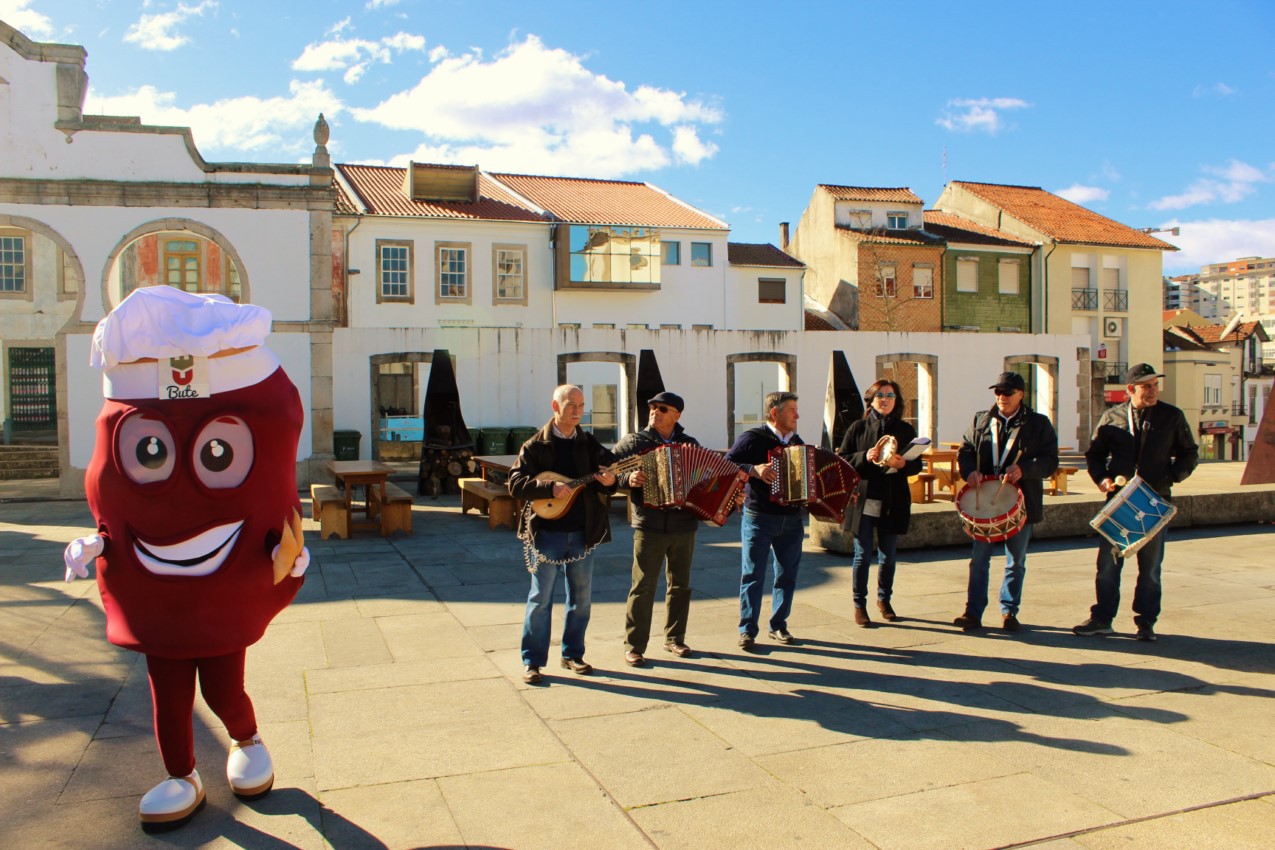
165 343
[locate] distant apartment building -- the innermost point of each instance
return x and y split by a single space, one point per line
1245 285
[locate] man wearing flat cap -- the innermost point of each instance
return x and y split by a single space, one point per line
661 537
1013 441
1149 438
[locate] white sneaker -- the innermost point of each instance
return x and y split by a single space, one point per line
172 802
249 769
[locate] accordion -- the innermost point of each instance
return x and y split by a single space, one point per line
691 477
813 477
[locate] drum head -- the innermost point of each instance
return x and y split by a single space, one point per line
981 502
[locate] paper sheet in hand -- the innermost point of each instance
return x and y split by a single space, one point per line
915 448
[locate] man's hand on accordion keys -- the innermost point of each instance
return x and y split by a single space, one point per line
637 479
765 472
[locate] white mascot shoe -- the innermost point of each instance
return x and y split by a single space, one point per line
171 803
249 769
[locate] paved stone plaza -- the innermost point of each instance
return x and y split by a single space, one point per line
391 698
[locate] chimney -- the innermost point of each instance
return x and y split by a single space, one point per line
783 236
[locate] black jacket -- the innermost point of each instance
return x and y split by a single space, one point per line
1039 445
754 447
1169 452
536 456
892 489
670 520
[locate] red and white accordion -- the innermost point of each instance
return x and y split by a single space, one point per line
692 477
815 478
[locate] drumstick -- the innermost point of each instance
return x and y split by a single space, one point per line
1004 480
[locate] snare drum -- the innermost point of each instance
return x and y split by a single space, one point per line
1133 517
988 517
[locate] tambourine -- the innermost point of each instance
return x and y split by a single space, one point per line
887 448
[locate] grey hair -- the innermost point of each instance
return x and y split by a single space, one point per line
778 399
562 392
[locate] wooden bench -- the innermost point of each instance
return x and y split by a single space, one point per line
922 487
396 512
1058 484
327 506
487 498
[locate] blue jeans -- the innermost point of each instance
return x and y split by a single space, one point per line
579 602
1015 570
1146 593
865 555
776 538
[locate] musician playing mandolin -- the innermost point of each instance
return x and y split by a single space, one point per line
559 456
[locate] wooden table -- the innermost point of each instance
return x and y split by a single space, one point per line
941 463
495 463
366 474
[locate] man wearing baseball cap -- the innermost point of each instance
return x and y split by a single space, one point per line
1150 438
1013 441
661 537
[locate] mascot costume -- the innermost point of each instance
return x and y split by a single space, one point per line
198 545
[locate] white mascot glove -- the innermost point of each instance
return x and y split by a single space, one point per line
299 565
80 553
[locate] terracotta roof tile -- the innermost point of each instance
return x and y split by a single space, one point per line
1061 219
380 190
343 205
954 228
583 201
899 194
1181 339
815 322
763 254
1213 333
911 236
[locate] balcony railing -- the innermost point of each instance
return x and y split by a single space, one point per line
1115 299
1111 371
1084 299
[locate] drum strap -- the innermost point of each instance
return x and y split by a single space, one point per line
999 457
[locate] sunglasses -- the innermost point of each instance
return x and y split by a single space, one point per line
662 408
1004 391
885 395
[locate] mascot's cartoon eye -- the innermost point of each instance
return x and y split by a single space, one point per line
145 449
223 453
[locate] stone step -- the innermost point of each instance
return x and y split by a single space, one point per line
12 474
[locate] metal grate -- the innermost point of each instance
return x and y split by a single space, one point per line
33 404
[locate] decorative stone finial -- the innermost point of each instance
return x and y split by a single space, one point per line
321 131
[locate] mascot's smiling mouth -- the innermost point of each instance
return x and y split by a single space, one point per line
200 555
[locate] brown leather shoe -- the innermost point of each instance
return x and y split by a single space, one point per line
678 648
577 665
968 623
1010 624
887 613
634 659
531 675
861 617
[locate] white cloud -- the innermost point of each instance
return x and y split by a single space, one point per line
1078 194
1231 183
28 21
1217 240
1220 89
234 124
438 54
538 109
966 115
380 4
157 32
355 55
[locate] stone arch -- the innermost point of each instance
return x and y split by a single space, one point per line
920 375
75 264
628 365
167 225
1044 386
787 364
374 411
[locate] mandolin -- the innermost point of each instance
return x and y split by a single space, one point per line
553 508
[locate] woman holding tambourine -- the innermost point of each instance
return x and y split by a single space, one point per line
874 446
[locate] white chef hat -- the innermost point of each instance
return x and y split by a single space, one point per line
162 342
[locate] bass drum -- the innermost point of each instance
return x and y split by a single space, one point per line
990 517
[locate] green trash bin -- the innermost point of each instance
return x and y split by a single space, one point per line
518 436
493 441
345 444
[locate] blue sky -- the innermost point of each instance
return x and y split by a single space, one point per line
1156 114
